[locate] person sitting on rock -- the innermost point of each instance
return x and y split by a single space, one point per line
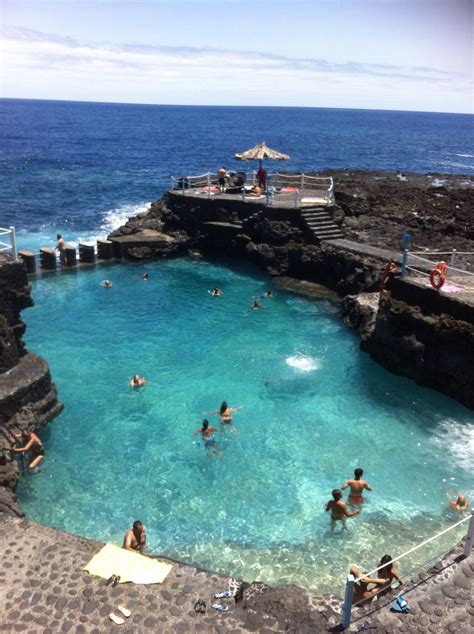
135 539
32 444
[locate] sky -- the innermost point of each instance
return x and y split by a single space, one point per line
376 54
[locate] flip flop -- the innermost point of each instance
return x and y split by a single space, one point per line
220 607
200 607
223 595
110 580
115 581
124 611
116 619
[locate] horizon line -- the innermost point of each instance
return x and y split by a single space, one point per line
177 105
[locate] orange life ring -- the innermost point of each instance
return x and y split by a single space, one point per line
437 276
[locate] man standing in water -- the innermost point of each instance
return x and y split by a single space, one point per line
135 539
210 443
357 485
61 247
339 510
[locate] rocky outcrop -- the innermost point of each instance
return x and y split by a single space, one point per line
28 399
359 312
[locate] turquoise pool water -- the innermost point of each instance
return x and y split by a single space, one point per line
313 409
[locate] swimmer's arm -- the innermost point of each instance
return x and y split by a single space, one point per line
396 576
127 542
345 485
328 507
236 409
349 513
379 582
27 447
367 486
198 431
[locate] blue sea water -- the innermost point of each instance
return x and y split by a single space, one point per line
314 407
83 168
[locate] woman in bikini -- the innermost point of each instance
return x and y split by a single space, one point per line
210 444
225 414
137 381
389 573
32 444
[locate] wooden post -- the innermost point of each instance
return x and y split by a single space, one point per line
71 256
469 536
347 607
29 260
48 259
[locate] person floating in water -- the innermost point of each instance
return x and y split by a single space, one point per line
357 486
137 381
216 292
135 539
460 504
106 283
256 304
32 444
225 414
267 294
145 277
210 443
339 511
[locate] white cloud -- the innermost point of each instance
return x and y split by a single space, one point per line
49 66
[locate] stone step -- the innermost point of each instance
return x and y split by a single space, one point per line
321 223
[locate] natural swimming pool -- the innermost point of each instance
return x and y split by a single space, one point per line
313 409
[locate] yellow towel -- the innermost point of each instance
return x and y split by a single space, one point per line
111 560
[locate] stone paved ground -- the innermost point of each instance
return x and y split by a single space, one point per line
43 590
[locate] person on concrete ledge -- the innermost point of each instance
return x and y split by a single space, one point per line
387 276
135 539
339 511
61 247
357 485
32 444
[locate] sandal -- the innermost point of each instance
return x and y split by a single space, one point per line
200 607
220 607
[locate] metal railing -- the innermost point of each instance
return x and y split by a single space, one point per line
414 261
6 247
351 580
289 190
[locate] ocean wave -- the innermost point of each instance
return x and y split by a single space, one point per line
464 155
303 363
113 219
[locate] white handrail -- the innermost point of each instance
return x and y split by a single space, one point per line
4 246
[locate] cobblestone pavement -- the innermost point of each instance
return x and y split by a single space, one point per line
43 590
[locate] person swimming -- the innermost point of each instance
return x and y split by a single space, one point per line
145 276
216 292
339 511
357 486
460 504
32 444
225 414
256 305
210 444
106 283
267 294
137 381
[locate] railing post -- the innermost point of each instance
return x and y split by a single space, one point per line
406 244
453 257
13 241
347 607
302 181
469 536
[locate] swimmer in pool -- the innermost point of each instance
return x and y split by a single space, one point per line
339 510
256 304
210 444
145 277
216 292
32 444
357 486
106 283
225 414
137 381
460 504
267 294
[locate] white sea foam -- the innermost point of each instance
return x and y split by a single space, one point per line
458 439
113 219
464 155
303 363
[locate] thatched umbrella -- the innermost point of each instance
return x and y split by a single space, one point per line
261 152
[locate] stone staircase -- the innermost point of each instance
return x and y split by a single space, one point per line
320 223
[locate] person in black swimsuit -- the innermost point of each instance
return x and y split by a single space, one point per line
32 444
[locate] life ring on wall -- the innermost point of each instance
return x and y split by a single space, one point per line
437 276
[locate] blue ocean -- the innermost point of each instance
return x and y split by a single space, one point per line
312 406
83 168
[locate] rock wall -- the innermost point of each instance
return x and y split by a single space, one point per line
28 399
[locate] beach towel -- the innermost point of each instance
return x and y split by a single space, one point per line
129 566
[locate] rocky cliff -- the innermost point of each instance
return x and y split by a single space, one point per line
28 398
